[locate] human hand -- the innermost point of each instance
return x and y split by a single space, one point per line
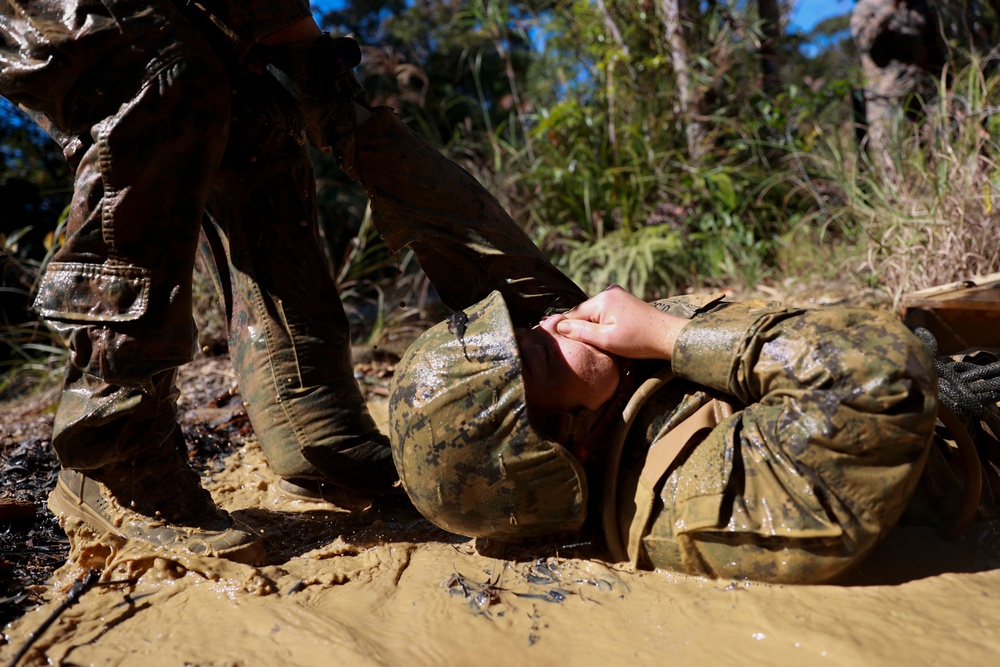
622 324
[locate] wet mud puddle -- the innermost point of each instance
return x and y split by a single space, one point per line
365 587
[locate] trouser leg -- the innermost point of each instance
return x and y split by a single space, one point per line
140 105
288 334
119 290
465 242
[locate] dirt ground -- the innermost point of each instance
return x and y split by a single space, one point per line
362 586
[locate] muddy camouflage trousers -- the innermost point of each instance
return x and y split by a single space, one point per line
178 148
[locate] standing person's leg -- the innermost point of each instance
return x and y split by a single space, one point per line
142 106
465 242
288 334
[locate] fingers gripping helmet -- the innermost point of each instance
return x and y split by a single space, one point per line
466 454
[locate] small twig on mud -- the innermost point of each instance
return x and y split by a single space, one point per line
480 596
77 590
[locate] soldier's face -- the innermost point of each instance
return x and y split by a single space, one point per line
562 374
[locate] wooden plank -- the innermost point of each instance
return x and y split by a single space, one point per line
988 279
985 297
961 315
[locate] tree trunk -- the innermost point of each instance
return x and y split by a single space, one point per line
612 27
616 35
695 133
770 52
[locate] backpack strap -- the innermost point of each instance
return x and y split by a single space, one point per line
660 460
972 469
624 522
609 508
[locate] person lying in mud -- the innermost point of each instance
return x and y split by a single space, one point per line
699 435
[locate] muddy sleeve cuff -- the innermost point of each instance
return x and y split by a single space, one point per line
712 349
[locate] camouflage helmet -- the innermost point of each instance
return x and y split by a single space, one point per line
466 453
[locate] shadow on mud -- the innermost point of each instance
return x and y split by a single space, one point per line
907 554
289 535
912 553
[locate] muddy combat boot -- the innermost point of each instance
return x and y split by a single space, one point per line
364 474
320 76
158 500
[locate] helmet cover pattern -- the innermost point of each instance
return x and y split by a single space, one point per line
466 453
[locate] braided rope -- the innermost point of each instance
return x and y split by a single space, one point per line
964 387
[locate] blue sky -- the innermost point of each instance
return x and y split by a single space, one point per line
807 13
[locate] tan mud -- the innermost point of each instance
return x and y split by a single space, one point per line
366 588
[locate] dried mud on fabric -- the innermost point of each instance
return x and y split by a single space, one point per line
361 586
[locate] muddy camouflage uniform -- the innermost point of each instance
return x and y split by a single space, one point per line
179 145
833 414
833 409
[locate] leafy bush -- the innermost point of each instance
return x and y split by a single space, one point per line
926 212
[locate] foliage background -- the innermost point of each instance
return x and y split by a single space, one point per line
573 114
660 144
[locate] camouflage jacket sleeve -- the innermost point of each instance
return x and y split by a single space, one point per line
837 410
